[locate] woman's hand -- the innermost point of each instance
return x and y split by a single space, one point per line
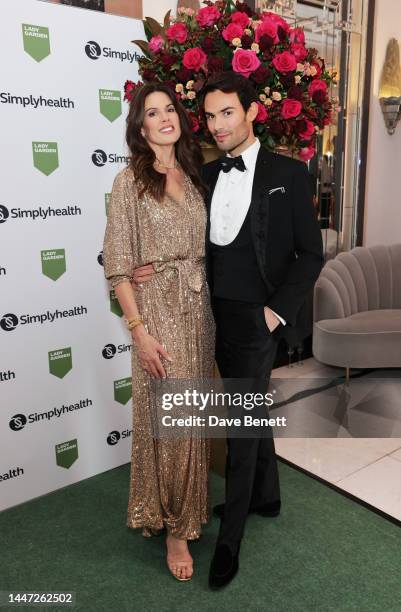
149 352
142 275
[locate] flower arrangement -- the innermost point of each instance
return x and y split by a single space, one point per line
290 79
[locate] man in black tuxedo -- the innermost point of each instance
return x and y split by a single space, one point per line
263 256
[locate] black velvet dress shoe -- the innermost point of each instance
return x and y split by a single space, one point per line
271 509
224 566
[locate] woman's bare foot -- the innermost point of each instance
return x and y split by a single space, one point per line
179 560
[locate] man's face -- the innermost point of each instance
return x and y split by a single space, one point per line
227 121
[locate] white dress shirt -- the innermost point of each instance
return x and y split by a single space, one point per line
231 200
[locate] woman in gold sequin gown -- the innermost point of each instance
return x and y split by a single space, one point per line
157 216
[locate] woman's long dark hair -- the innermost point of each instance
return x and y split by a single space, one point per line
187 150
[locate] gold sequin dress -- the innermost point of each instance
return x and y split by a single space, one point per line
169 477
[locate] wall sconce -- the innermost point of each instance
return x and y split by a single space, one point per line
390 86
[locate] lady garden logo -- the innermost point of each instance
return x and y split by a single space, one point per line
66 453
36 41
110 104
60 362
53 263
45 156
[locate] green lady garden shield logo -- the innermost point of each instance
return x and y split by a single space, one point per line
123 390
45 156
110 103
53 263
66 453
60 362
115 304
36 41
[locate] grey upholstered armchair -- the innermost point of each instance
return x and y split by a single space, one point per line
357 309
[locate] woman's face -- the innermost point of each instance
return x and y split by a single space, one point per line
161 124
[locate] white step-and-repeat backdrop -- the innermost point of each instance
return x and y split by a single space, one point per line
65 378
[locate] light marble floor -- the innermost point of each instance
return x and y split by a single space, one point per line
367 468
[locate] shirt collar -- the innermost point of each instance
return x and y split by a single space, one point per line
250 154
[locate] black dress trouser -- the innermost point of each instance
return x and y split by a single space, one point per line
245 349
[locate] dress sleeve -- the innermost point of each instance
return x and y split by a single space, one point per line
118 245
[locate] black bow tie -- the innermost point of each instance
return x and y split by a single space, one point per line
228 163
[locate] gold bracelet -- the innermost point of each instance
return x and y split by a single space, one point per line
134 321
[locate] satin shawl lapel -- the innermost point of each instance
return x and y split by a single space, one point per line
260 209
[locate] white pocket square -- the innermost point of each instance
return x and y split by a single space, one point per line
282 189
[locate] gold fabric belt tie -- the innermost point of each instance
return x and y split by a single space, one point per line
180 278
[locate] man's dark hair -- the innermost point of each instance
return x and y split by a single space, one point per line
231 82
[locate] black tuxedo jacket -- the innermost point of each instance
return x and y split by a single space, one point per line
285 232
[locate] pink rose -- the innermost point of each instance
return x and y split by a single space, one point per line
268 28
317 85
194 58
245 62
156 43
297 36
262 115
208 16
299 51
306 153
308 132
177 32
285 62
233 30
290 108
240 19
279 21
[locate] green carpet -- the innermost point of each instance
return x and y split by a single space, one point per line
324 552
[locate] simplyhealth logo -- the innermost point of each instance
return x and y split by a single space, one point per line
94 51
37 213
10 321
19 421
100 158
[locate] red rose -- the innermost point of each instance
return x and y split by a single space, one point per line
319 97
279 21
297 36
208 16
285 62
246 41
195 125
299 51
233 30
317 85
149 75
262 115
306 153
264 43
167 60
261 75
184 75
307 130
207 43
240 19
177 32
327 120
290 108
129 89
294 92
267 28
215 64
245 62
194 58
